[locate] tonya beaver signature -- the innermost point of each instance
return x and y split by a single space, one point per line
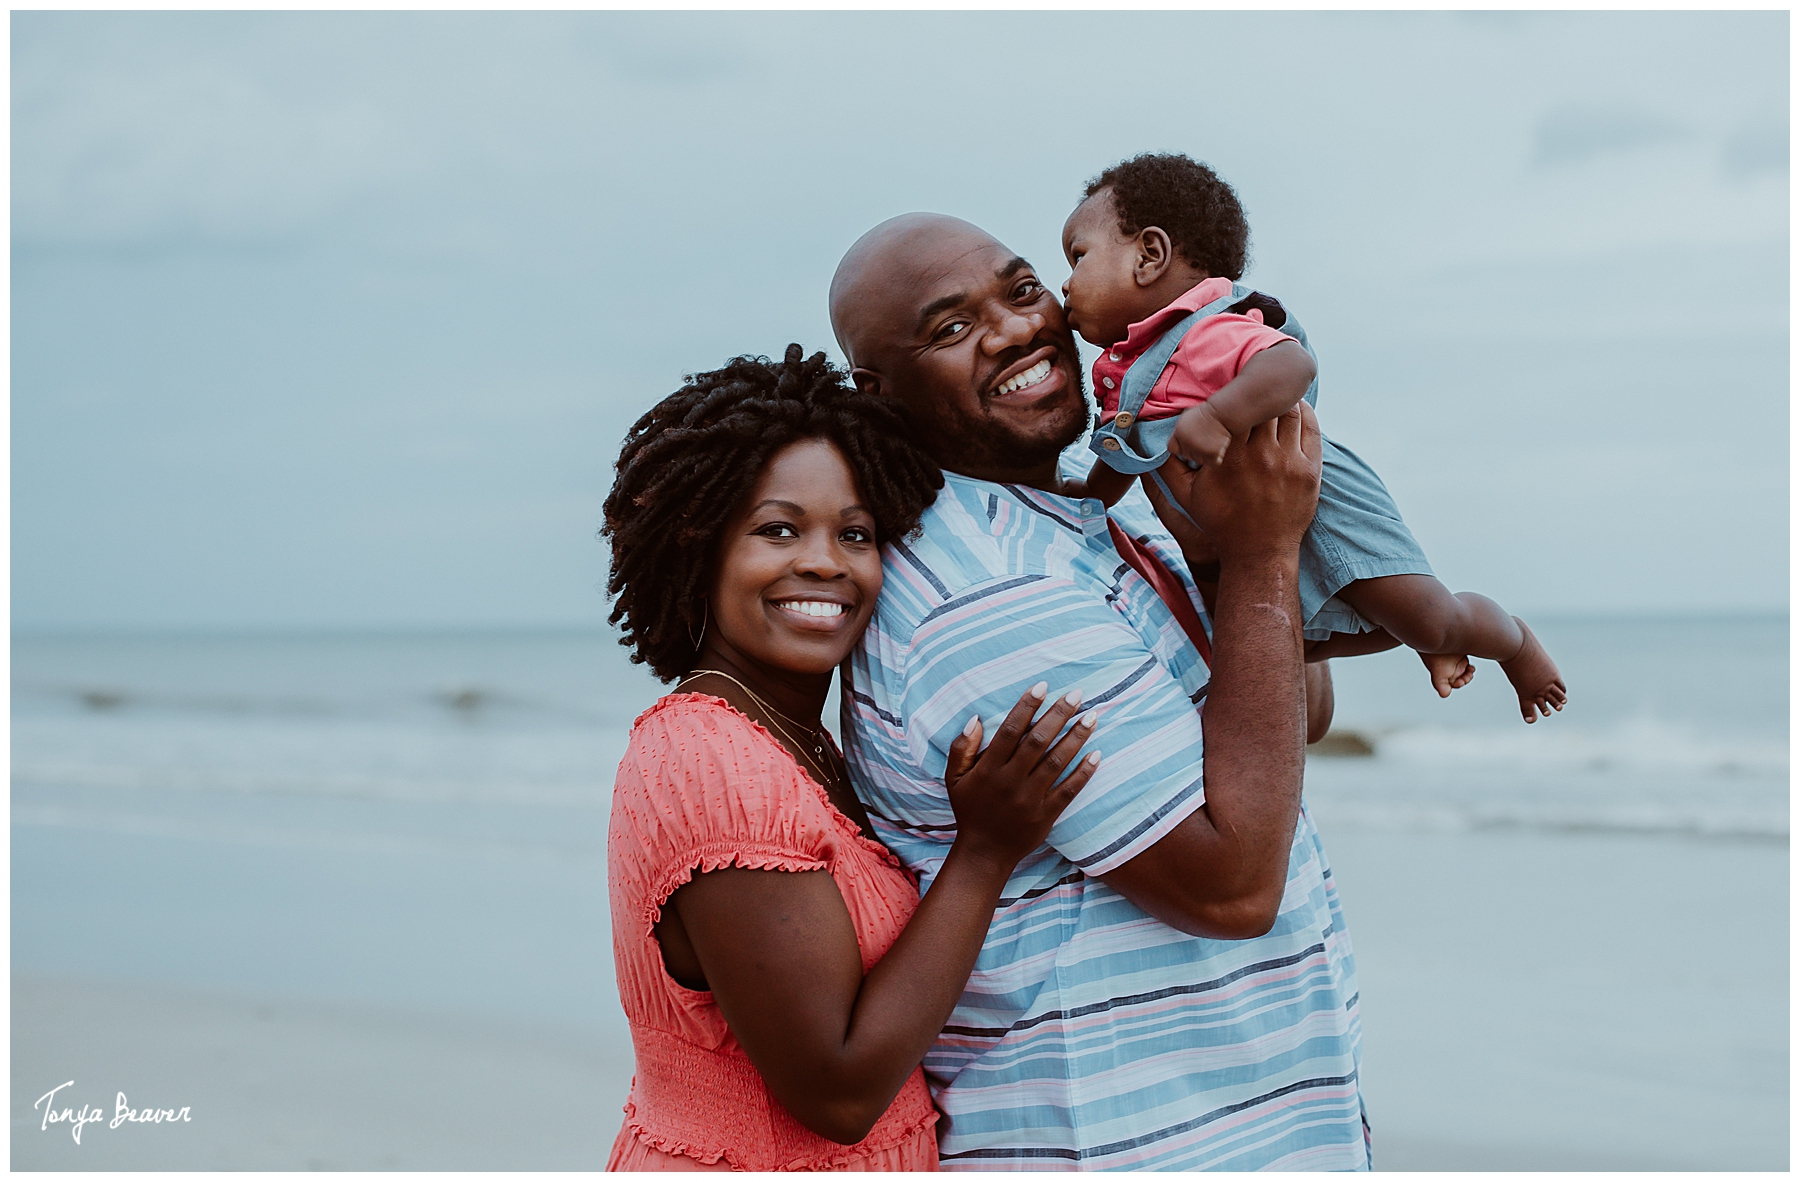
76 1118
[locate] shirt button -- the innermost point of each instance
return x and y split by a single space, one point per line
1087 509
1112 356
1107 382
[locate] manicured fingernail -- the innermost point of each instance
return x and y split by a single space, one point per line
1090 718
969 726
1073 697
1040 689
1094 759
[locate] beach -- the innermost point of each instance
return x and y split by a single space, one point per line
343 897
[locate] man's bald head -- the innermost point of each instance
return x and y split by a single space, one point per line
878 276
942 316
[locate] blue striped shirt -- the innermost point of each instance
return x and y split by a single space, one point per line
1090 1035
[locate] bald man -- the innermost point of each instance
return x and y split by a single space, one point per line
1167 983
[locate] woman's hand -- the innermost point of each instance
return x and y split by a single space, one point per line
1007 797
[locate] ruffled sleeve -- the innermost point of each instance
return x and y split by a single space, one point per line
702 788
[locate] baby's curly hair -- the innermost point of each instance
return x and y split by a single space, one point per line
693 457
1198 210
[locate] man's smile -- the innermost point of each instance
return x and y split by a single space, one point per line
1028 377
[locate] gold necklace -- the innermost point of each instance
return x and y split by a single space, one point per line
775 716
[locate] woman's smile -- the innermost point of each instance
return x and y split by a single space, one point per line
819 615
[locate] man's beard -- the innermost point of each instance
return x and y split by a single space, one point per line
978 443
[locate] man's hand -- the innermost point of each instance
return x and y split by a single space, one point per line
1264 493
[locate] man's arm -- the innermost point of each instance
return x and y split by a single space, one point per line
1221 872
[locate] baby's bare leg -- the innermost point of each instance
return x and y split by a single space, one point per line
1422 614
1349 644
1321 701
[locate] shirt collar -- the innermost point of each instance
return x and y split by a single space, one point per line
1143 334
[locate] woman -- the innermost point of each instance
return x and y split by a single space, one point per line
780 973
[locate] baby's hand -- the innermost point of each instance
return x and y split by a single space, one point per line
1200 438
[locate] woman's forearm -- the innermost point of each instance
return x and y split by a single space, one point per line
836 1044
907 997
781 956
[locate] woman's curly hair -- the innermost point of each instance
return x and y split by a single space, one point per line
694 456
1192 203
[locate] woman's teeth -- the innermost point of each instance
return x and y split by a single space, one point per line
811 607
1030 377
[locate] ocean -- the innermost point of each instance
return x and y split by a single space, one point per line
417 823
1675 725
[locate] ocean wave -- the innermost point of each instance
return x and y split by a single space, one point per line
1711 823
1638 744
1640 776
460 701
543 791
339 840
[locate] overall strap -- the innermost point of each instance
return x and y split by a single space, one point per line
1169 495
1140 379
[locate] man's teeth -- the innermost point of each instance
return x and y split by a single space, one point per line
811 607
1030 377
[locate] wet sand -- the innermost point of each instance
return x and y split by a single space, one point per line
282 1085
1539 1001
1531 1001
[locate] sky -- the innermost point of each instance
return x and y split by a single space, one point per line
337 320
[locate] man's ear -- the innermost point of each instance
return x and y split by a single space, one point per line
867 380
1154 254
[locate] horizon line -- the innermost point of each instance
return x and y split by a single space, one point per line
297 631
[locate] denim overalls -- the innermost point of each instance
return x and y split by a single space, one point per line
1357 533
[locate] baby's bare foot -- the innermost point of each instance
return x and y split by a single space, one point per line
1449 671
1533 674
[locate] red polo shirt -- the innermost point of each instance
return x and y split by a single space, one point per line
1207 358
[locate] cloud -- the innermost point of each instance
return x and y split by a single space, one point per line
188 149
1759 144
1575 135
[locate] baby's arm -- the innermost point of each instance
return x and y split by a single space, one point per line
1101 482
1270 384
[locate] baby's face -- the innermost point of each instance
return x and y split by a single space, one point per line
1102 295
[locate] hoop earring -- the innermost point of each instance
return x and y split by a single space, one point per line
690 627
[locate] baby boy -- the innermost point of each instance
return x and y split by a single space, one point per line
1192 358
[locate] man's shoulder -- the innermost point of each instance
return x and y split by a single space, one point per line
976 533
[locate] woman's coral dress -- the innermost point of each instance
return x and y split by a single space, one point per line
700 788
